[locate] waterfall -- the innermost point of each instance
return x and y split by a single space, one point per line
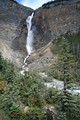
29 43
30 38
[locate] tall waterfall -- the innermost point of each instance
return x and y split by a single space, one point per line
30 38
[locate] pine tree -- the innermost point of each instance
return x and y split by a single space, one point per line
66 63
63 60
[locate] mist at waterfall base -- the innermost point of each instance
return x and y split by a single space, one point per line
29 43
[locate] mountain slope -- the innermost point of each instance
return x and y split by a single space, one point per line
49 22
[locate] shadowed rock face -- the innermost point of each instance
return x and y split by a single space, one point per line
55 19
13 30
49 22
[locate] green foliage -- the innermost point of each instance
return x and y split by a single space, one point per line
70 109
32 89
62 116
6 70
3 116
67 65
10 101
74 40
36 113
67 62
74 43
23 91
29 90
52 96
20 91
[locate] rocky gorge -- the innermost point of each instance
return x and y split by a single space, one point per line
40 61
50 21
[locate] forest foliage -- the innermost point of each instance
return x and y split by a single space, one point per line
19 93
68 49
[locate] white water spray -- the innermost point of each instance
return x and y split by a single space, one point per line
29 41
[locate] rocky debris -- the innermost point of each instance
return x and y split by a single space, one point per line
26 109
43 74
41 58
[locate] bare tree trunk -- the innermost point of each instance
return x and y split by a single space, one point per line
65 80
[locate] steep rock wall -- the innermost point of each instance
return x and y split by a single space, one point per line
13 30
55 19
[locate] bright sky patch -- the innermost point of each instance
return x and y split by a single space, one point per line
33 3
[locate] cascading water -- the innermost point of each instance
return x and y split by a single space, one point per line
30 38
29 43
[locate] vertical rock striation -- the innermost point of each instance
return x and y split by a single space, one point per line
13 30
56 18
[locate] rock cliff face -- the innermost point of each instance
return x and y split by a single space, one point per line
13 30
49 22
56 18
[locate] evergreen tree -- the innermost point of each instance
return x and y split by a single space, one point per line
67 64
64 57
